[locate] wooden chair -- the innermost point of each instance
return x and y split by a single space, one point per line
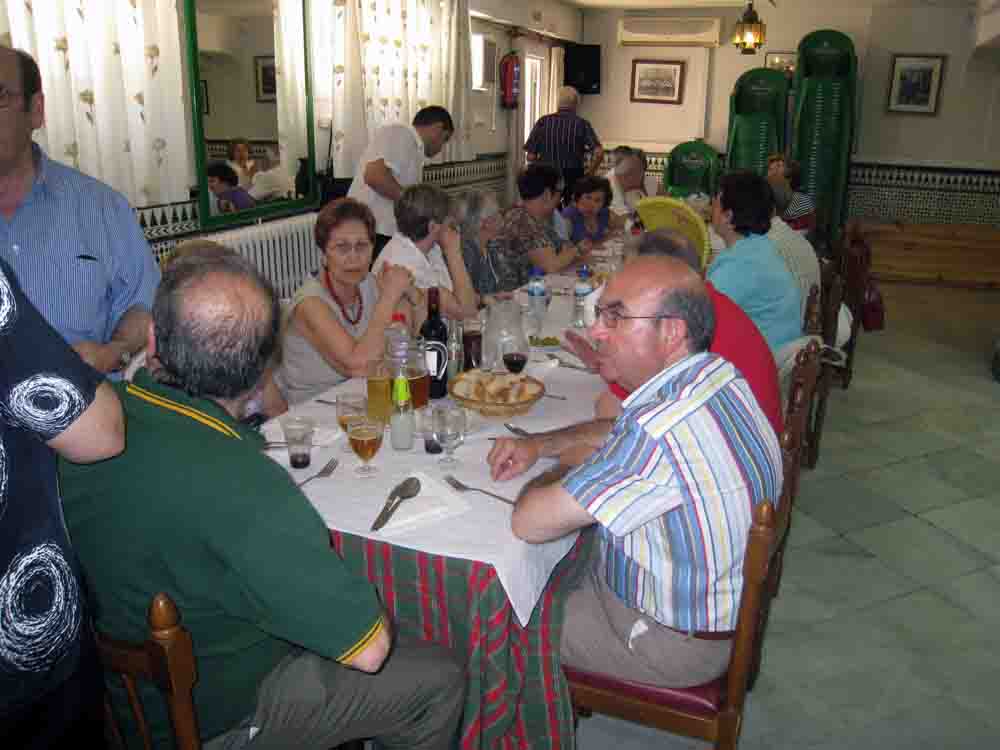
854 267
793 451
830 360
712 712
167 660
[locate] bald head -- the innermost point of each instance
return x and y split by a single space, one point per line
667 286
569 97
216 325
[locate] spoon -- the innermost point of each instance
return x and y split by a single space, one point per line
409 487
517 430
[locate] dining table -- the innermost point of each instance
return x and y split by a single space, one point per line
447 566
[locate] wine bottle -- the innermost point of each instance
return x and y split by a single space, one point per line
435 334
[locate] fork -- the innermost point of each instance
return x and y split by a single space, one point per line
323 473
460 487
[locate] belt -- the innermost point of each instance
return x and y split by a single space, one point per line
707 635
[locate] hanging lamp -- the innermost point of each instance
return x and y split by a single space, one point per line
751 33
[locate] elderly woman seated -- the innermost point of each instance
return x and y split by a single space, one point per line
338 317
428 244
478 215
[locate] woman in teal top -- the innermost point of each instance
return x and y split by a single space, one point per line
749 270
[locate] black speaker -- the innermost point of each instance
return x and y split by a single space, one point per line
583 68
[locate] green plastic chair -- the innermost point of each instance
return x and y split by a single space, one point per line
692 167
758 119
823 130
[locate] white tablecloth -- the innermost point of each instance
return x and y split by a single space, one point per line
480 532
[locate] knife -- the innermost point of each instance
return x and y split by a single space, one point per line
406 489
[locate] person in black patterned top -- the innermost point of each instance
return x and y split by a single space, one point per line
52 402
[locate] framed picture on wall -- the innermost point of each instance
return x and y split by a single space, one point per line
658 81
266 78
915 83
205 109
783 61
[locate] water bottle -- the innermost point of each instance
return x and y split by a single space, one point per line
580 291
402 423
537 299
397 338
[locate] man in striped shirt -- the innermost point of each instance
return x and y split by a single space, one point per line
73 242
671 487
564 139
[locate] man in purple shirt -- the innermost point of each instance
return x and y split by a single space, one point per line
564 139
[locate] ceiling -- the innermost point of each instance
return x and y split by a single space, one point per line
762 5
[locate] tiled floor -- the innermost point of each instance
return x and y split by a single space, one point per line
887 631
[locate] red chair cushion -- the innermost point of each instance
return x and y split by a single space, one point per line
701 700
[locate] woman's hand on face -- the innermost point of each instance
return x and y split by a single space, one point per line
394 280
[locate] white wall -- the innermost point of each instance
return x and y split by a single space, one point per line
966 132
547 16
489 121
234 109
631 122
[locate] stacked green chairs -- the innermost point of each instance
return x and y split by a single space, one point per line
758 119
692 167
826 79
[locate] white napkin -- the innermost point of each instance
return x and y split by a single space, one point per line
324 434
435 502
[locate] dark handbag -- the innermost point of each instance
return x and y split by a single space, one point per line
872 308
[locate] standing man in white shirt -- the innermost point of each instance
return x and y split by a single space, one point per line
393 161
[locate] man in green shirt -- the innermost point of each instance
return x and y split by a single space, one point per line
292 649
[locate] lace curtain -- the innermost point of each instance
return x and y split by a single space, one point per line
118 65
289 31
379 62
557 70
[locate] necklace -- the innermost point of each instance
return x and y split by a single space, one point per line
343 309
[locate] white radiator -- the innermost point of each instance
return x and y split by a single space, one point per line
284 250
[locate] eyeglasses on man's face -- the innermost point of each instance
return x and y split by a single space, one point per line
344 248
6 95
611 315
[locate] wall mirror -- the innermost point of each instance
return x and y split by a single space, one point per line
251 109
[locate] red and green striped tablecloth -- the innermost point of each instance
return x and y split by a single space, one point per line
517 695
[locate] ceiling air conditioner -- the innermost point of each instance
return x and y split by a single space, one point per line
662 31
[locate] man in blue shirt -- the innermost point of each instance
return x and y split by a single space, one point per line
750 271
73 242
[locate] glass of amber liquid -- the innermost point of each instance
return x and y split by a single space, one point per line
350 407
365 436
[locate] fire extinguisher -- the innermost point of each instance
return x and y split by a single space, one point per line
510 80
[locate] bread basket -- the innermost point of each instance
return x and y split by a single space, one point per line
492 409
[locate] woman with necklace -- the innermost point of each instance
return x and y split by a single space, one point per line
338 317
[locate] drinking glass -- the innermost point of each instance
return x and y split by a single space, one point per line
512 353
365 436
449 425
350 407
298 433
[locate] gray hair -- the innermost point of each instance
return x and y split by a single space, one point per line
692 304
418 206
568 97
221 356
472 208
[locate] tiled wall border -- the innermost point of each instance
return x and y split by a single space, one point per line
923 195
166 223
